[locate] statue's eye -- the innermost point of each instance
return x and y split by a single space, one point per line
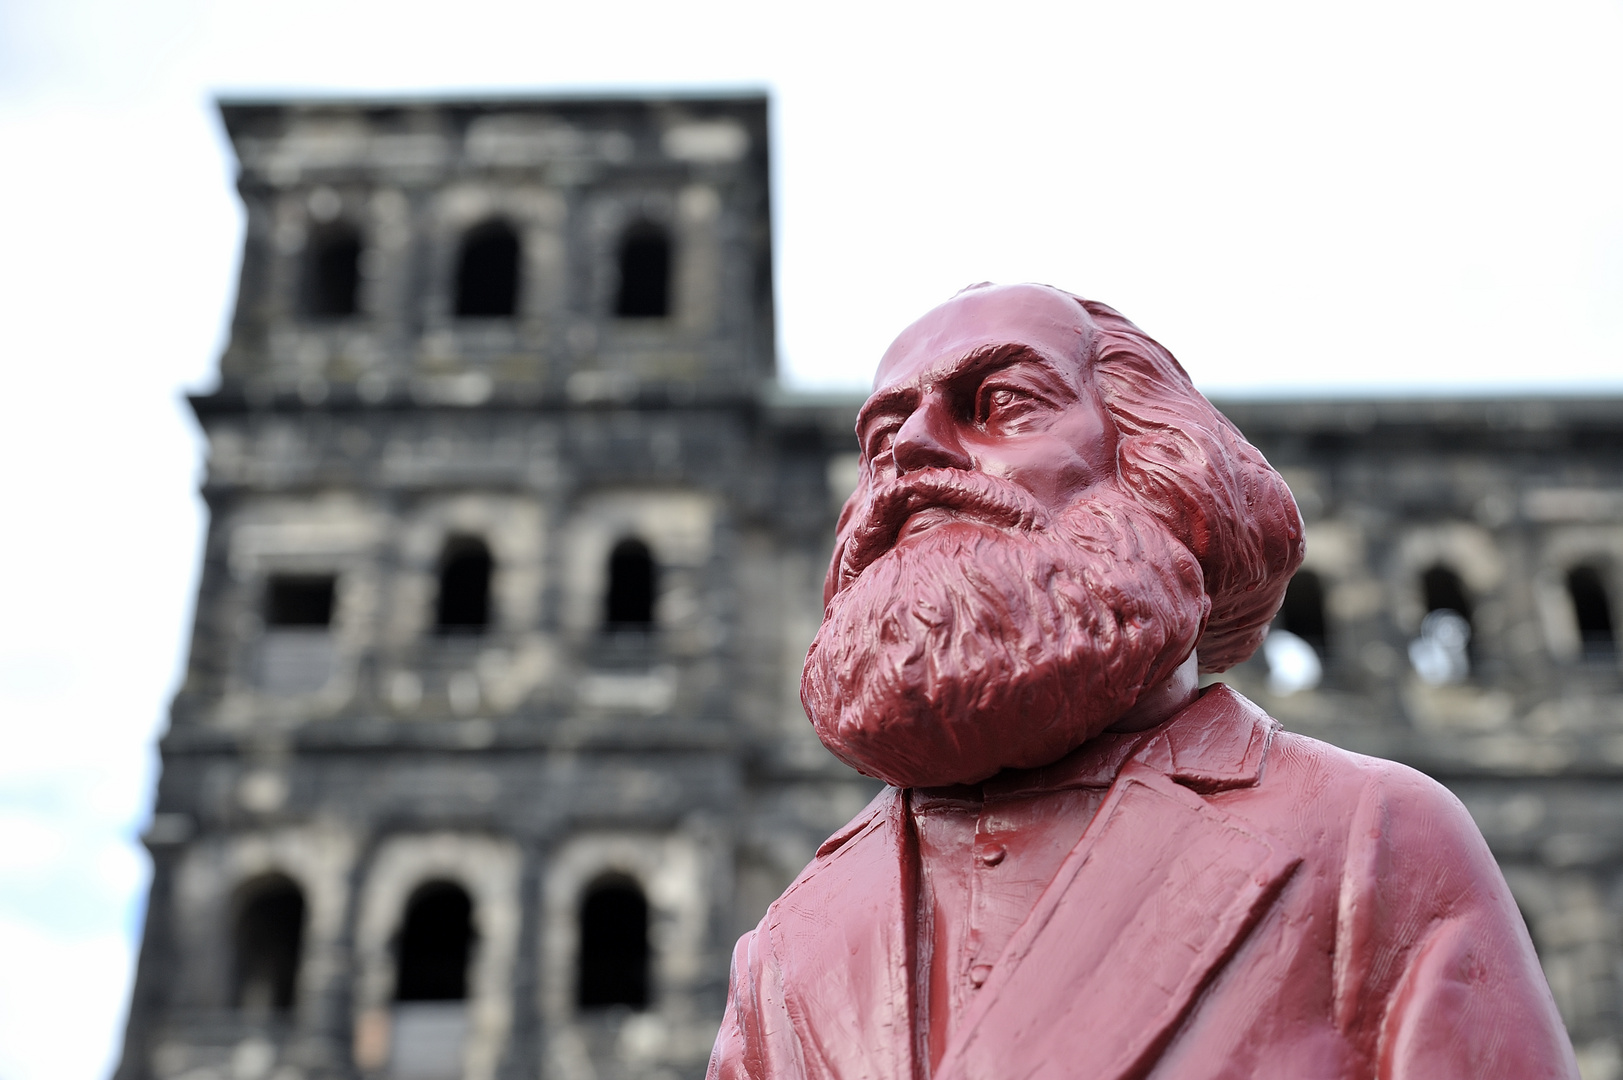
1001 403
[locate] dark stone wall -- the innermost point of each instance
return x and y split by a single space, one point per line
524 762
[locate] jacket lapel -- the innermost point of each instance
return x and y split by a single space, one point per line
1218 743
1160 891
844 935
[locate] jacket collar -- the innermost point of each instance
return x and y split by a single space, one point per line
1218 742
1158 846
843 933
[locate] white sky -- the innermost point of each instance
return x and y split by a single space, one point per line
1376 198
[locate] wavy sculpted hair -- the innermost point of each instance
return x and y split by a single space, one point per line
1191 468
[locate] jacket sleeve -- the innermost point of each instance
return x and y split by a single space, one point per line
727 1059
756 1041
1465 996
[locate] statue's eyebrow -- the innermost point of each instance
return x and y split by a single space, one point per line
984 361
990 357
973 366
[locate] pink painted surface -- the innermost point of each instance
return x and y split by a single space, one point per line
1083 867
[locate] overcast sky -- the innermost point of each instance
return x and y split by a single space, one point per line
1296 198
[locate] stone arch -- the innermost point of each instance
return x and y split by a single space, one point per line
675 872
1561 551
468 218
462 605
431 663
1444 652
629 225
331 282
1443 589
488 270
434 944
1468 551
267 938
1303 612
633 584
1297 644
1449 567
678 528
217 879
486 870
644 262
439 528
1592 611
611 965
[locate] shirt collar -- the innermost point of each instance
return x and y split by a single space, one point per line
1216 742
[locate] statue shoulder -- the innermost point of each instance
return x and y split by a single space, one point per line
1375 809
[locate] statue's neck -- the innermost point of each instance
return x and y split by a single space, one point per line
1163 701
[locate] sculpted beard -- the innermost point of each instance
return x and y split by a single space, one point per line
996 637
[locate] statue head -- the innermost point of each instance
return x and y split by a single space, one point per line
1050 520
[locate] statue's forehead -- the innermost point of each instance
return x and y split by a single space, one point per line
1047 321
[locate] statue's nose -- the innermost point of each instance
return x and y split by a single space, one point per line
928 439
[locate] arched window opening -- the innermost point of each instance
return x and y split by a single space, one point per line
266 939
299 600
1441 654
1294 649
464 599
629 604
1302 613
487 272
613 945
645 273
1445 591
333 272
1593 610
436 940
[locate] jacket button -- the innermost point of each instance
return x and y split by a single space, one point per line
993 855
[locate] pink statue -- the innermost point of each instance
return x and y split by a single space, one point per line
1085 866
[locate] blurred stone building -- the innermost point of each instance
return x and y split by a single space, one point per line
491 744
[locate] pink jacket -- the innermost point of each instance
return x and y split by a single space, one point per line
1246 903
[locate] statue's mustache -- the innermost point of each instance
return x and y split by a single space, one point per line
988 499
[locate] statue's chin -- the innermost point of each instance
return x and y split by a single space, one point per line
926 749
967 651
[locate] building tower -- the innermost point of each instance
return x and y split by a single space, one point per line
490 743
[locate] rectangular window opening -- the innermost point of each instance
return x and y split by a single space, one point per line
300 600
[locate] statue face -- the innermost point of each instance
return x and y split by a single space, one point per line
996 597
993 381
